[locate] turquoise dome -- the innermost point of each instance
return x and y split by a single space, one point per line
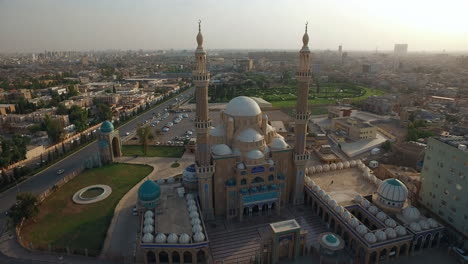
107 127
149 191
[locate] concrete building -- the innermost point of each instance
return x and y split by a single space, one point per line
245 65
354 128
340 111
444 176
6 109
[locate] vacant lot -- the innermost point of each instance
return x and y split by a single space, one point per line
63 223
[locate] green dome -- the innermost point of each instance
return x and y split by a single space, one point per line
331 239
149 191
107 127
394 182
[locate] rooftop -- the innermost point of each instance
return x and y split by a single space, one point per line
172 214
283 226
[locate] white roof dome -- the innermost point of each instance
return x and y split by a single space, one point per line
184 239
370 237
194 214
339 209
279 143
365 203
199 237
149 213
242 106
390 222
255 154
332 203
148 221
346 164
433 223
353 222
333 166
415 226
197 228
358 161
326 197
424 224
321 193
217 131
192 208
400 230
312 169
241 166
352 163
380 235
271 162
221 149
160 238
347 215
147 238
326 167
148 229
393 190
316 188
358 198
195 221
319 168
390 232
172 238
361 166
373 210
382 216
249 135
411 213
339 165
191 202
361 229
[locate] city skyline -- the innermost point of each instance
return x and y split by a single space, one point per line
30 26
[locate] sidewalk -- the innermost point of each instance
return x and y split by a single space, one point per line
121 238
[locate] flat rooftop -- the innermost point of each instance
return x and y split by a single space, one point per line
283 226
344 185
172 215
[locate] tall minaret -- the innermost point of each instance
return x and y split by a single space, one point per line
303 77
201 79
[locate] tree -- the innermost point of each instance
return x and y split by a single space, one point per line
79 117
72 91
104 112
145 136
387 145
25 207
54 129
62 110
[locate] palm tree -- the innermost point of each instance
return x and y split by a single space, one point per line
145 136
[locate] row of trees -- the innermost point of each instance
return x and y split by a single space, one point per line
13 149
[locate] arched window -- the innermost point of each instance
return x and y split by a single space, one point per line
271 177
258 180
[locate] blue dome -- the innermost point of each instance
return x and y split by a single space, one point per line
107 127
149 191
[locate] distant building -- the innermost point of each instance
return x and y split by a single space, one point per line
339 111
245 65
400 49
354 128
443 189
7 109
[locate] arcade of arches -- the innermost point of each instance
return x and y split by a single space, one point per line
175 256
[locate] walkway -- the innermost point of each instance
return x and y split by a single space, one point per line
121 239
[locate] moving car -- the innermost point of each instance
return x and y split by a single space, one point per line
60 171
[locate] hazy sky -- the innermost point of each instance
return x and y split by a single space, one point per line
36 25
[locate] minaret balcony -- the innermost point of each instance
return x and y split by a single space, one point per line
301 158
201 77
207 170
202 125
304 74
302 116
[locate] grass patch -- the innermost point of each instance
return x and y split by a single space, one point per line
292 103
63 223
153 151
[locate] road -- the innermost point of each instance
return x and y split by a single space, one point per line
48 177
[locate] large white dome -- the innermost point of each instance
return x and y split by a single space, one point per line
242 106
393 192
279 143
249 135
221 150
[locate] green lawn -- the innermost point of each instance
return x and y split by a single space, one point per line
63 223
153 151
292 103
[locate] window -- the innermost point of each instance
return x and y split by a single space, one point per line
271 178
243 182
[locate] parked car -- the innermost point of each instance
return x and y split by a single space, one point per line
60 171
127 134
165 129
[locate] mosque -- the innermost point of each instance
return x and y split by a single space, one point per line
245 169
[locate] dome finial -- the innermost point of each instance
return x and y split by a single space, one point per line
199 36
307 22
305 38
199 25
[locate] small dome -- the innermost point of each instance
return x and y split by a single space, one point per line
332 203
380 235
393 191
172 238
194 214
279 143
184 239
361 229
199 237
326 198
106 127
148 229
346 164
149 213
170 180
365 203
319 168
221 150
358 161
255 154
339 209
330 240
326 167
217 131
339 165
390 222
390 232
147 238
149 191
190 174
189 196
382 216
352 163
321 193
191 202
353 222
312 169
400 230
195 221
242 106
270 162
192 208
197 228
347 215
333 166
148 221
361 166
424 224
249 135
370 237
316 188
433 223
358 198
411 213
373 210
240 166
160 238
415 227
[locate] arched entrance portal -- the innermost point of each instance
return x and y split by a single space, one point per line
201 257
151 257
163 257
116 147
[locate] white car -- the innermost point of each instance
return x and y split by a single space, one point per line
177 121
170 124
127 134
60 171
165 129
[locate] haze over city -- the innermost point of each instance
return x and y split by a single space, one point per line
34 26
